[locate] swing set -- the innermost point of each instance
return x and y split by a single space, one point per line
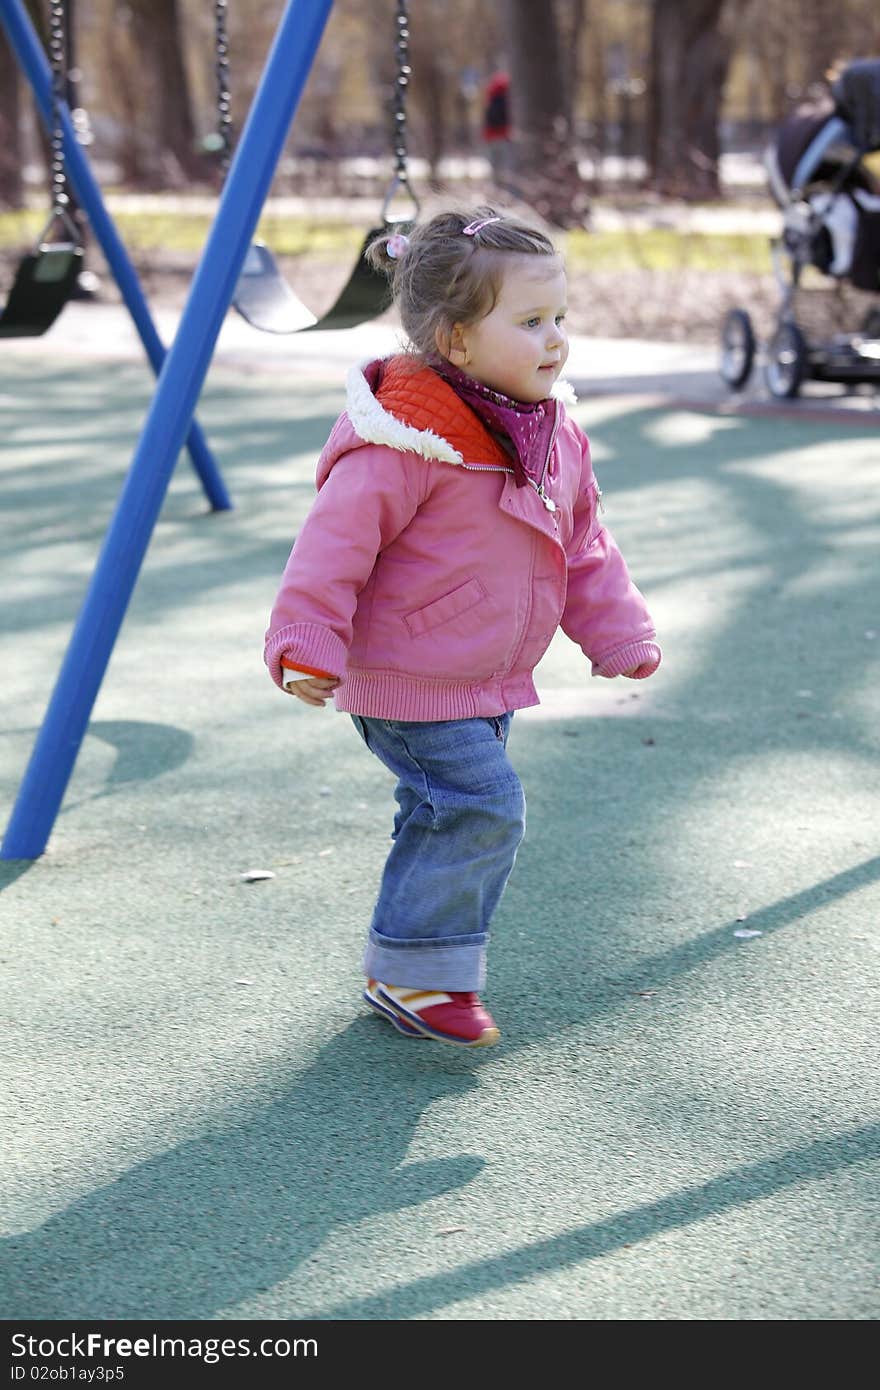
222 278
47 276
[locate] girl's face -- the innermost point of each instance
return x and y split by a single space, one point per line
521 345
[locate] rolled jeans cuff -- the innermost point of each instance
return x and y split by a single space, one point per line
458 967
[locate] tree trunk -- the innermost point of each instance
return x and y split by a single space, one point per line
544 159
157 35
430 96
572 19
11 153
690 57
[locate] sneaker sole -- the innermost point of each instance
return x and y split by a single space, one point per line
487 1038
384 1010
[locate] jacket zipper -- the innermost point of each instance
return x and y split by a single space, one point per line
551 508
485 468
548 503
539 485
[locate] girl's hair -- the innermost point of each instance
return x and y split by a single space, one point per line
444 276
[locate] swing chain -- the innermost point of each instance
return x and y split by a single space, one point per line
57 58
224 99
399 137
401 82
224 136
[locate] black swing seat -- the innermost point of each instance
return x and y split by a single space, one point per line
45 280
264 298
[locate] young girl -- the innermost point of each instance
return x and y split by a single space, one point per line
455 528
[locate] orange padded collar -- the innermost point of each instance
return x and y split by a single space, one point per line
419 397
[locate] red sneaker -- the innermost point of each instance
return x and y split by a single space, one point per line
449 1017
379 1006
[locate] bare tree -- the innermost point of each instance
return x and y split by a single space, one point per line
571 21
790 44
545 162
12 112
577 67
449 49
11 154
156 64
690 58
432 98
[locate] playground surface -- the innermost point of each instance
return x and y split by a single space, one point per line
202 1121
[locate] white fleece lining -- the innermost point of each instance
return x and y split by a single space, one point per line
375 425
565 392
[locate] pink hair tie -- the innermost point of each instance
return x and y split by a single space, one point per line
473 227
397 246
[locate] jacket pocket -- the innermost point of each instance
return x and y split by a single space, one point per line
444 609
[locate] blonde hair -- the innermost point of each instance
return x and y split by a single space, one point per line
444 277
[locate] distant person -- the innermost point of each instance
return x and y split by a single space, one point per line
456 527
496 128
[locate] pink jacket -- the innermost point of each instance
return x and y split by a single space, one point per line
432 585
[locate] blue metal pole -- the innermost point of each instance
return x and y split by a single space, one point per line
54 754
33 62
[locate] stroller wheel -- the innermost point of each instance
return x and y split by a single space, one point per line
787 361
737 348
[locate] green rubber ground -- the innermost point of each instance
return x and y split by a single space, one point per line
200 1119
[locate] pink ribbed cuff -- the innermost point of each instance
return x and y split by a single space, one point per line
636 660
308 643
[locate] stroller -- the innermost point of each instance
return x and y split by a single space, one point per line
827 260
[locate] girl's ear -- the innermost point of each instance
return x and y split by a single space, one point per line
452 344
442 340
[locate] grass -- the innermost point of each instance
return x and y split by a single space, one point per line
186 233
662 249
655 249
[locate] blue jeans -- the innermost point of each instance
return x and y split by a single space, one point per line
459 823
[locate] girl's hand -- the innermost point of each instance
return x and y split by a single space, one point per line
314 691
